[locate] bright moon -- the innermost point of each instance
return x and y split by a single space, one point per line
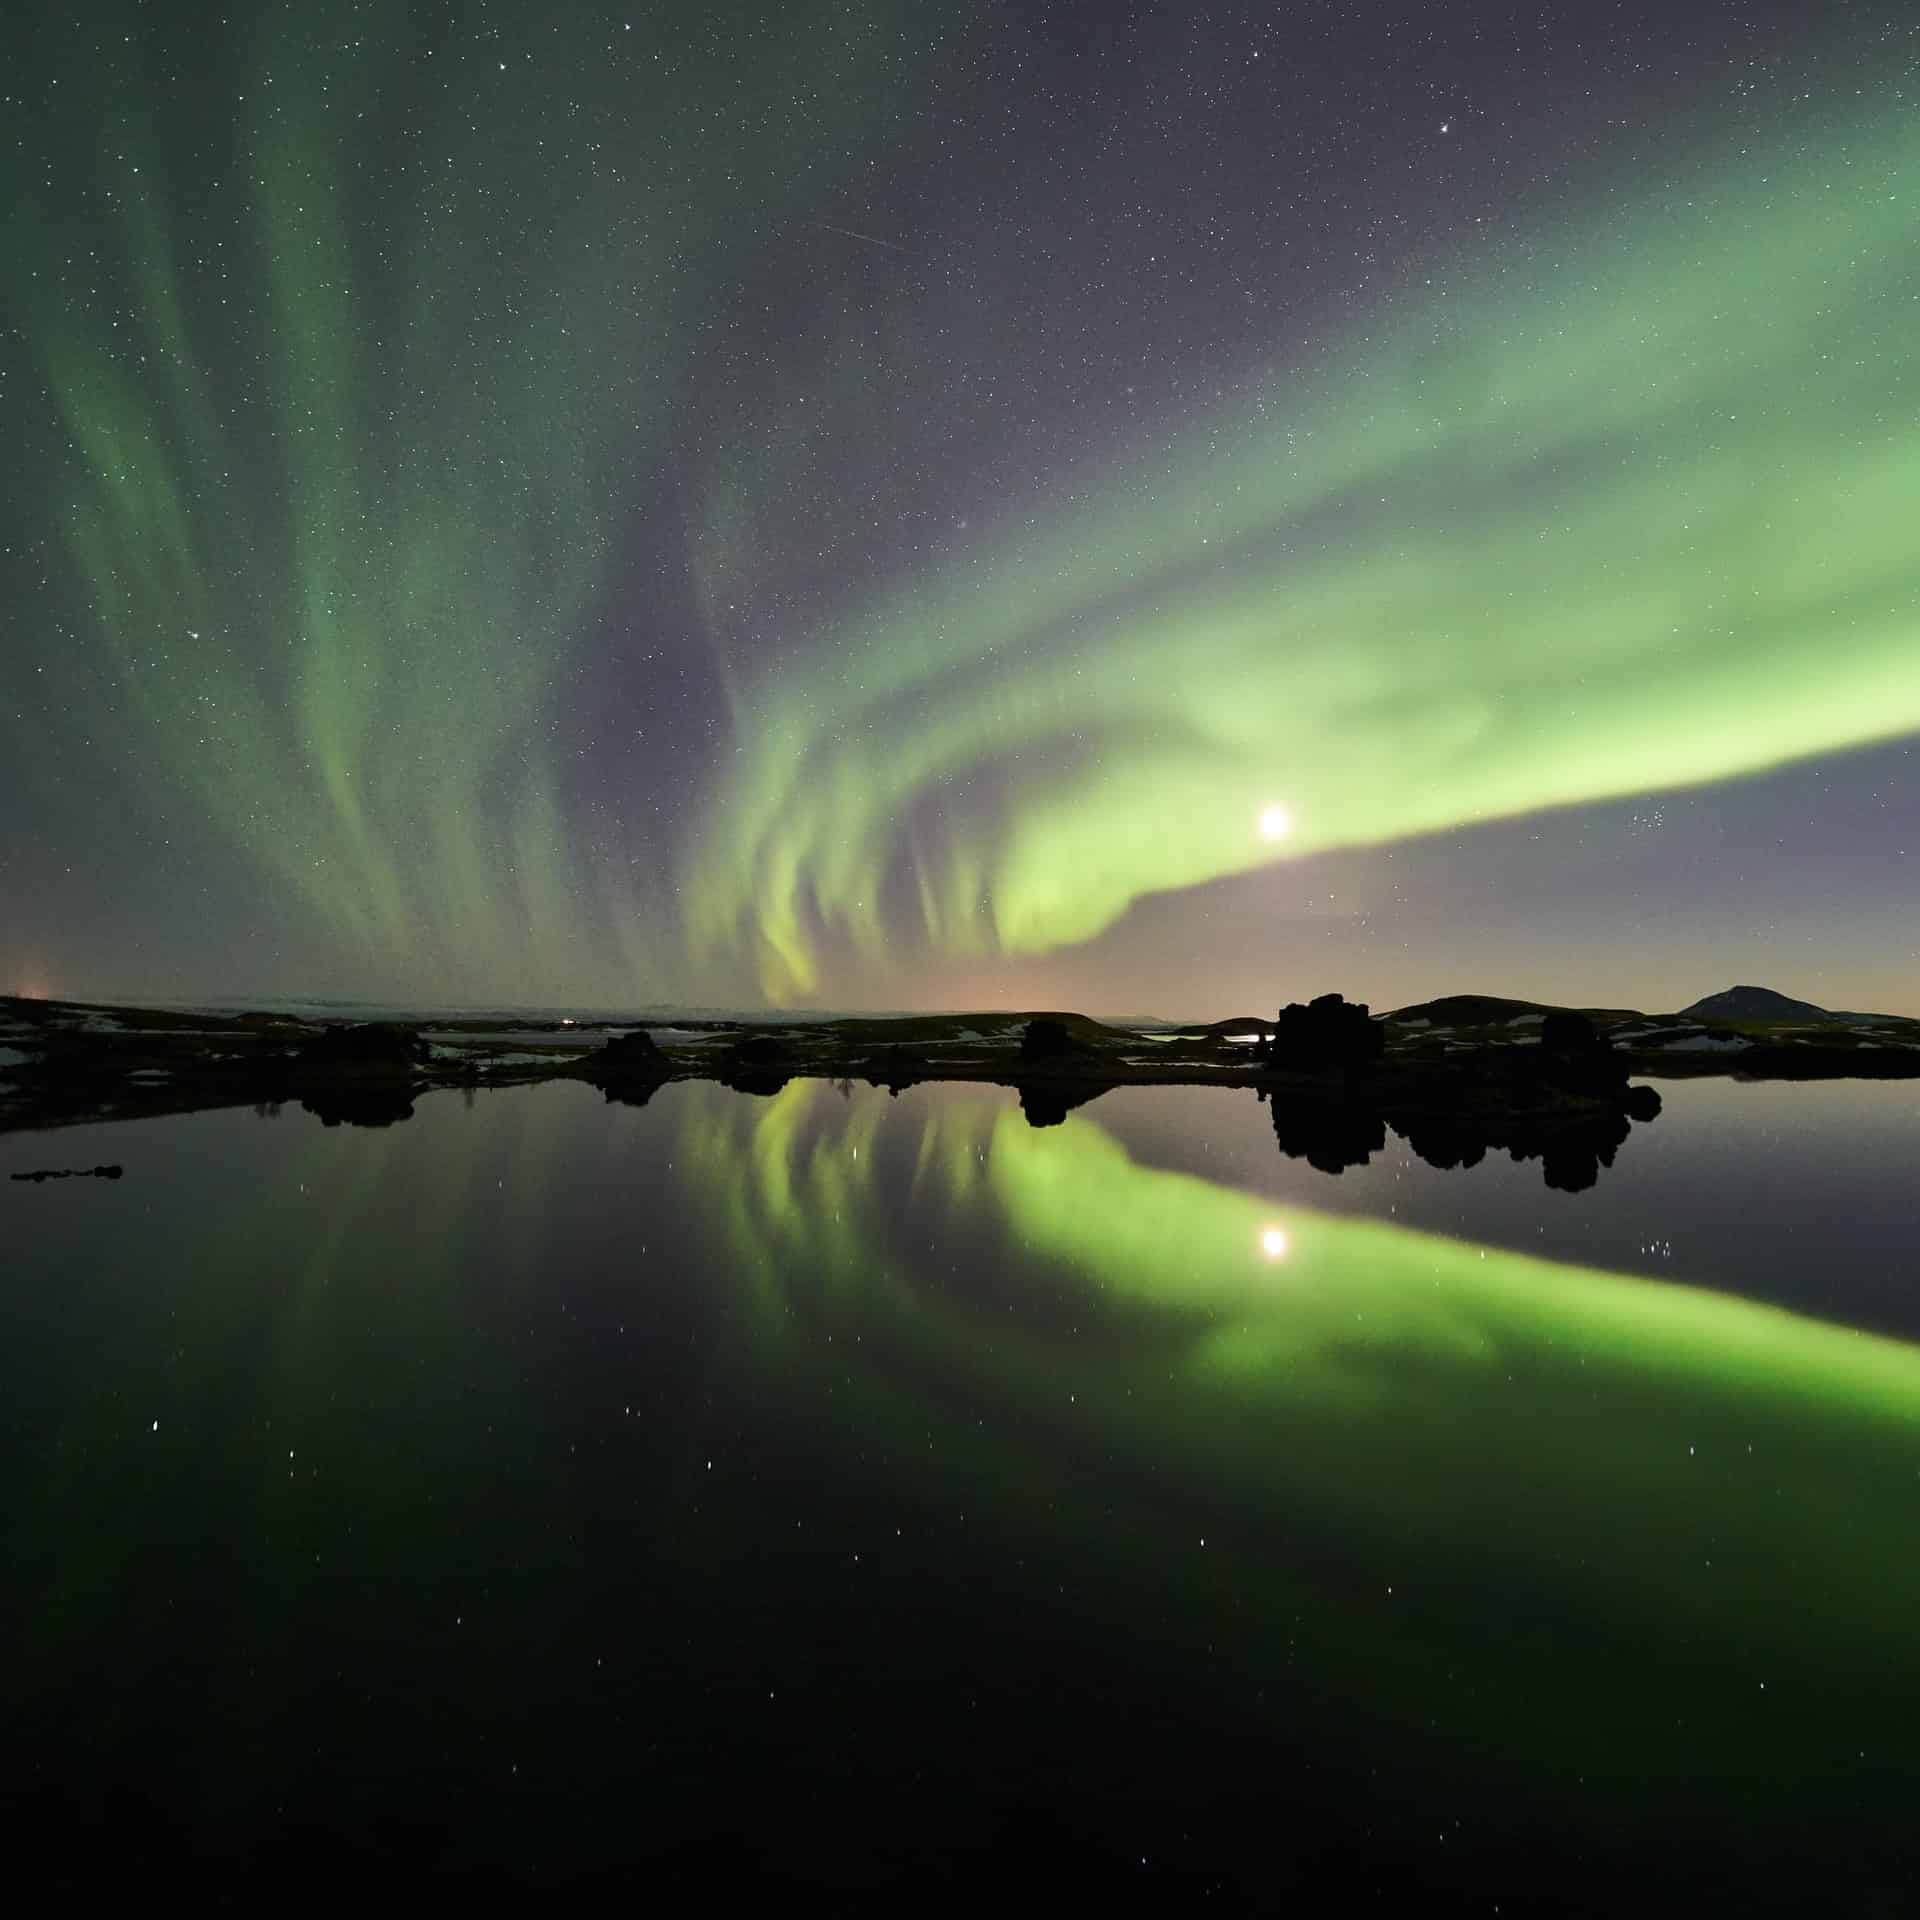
1273 1243
1275 823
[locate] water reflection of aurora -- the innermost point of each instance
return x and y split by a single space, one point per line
1478 1483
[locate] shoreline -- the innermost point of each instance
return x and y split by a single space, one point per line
74 1063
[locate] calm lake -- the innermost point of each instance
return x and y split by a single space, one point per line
833 1488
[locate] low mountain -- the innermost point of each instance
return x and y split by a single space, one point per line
1762 1003
1486 1010
1756 1003
1469 1010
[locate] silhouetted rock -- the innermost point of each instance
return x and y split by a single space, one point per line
369 1047
759 1050
1045 1039
760 1063
1328 1032
633 1050
1572 1054
1563 1032
629 1060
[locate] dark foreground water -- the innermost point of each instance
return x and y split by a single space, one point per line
843 1490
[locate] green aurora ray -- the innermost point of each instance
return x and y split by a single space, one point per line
353 331
1625 508
357 346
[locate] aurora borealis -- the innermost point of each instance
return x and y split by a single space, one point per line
882 505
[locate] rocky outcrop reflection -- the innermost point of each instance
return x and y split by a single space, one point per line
1329 1135
1048 1106
1572 1146
630 1069
759 1063
1445 1142
1571 1152
629 1093
363 1106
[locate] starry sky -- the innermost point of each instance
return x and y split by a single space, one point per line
1158 509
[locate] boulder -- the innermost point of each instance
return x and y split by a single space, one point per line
366 1047
1325 1033
631 1055
1046 1039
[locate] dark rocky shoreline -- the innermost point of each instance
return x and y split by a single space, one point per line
1545 1083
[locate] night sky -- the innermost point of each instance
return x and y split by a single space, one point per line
1157 509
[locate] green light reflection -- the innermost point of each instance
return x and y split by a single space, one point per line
1623 1459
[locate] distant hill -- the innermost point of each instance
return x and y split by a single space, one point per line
1762 1003
1486 1010
1756 1003
1458 1011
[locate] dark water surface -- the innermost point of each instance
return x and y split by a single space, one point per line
837 1489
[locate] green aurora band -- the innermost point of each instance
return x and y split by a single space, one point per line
358 351
1622 509
350 377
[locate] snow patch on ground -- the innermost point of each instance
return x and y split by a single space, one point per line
13 1057
481 1054
527 1036
1704 1043
1527 1020
1411 1023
